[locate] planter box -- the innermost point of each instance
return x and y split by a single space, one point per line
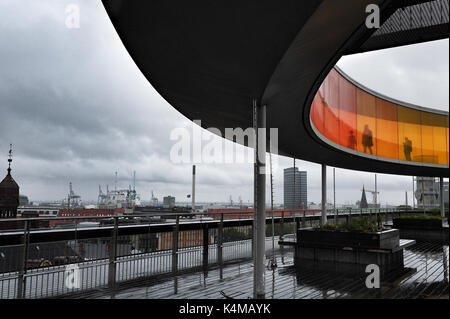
388 239
349 252
432 224
430 230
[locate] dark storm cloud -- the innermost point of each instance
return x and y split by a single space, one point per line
77 109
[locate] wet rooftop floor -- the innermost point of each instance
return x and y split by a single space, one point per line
425 275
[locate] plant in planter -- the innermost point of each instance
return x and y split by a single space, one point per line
358 225
418 222
350 246
358 232
422 227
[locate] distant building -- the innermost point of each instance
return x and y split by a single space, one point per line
169 202
23 200
427 192
446 192
298 197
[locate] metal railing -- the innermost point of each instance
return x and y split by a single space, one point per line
39 262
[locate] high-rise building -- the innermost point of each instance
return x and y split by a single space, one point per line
427 192
446 192
169 202
299 197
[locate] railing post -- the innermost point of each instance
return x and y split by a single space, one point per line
23 269
175 245
282 225
113 255
220 242
304 218
205 246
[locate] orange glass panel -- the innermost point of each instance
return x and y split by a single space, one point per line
434 143
409 135
428 155
331 107
366 122
447 141
317 113
347 114
387 127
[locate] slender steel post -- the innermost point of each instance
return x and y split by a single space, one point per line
413 202
324 194
334 195
376 192
220 242
205 246
260 200
304 218
23 270
423 196
113 255
175 245
271 210
193 188
441 196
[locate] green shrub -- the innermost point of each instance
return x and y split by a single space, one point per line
358 225
421 217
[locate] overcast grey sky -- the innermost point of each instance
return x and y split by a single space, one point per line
77 109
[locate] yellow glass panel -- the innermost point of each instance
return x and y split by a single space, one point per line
409 135
427 121
387 129
366 122
434 125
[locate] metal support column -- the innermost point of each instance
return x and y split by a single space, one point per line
113 255
193 188
334 195
21 284
205 246
324 194
441 196
175 245
259 122
220 242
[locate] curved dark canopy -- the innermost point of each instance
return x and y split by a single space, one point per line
210 58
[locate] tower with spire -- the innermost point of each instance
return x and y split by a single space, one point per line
9 193
363 203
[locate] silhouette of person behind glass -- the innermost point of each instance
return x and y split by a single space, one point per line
351 141
407 148
367 139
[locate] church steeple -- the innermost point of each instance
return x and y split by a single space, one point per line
9 193
363 202
9 159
